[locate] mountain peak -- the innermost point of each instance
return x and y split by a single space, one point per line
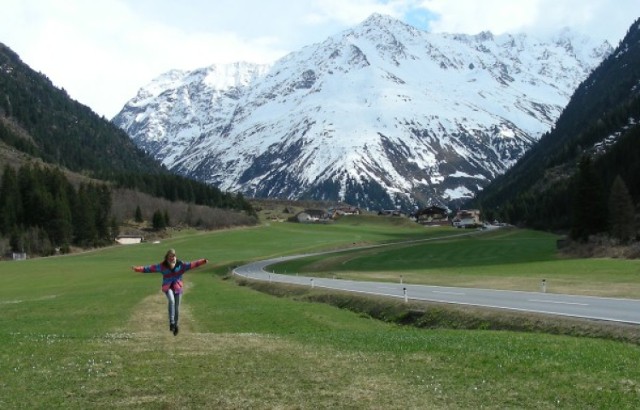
484 36
380 115
379 20
384 22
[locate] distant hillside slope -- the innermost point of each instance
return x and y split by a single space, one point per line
41 120
63 170
38 120
602 121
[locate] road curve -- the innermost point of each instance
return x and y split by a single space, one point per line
589 307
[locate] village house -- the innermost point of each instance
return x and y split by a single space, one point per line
466 218
433 215
344 210
313 215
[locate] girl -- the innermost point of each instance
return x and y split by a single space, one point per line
172 270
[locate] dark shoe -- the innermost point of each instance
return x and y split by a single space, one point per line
172 327
175 330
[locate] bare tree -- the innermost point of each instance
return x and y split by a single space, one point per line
126 202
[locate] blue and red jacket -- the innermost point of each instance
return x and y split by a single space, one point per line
171 278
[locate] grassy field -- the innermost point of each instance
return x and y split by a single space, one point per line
509 259
84 331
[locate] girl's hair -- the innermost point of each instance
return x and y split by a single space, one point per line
169 252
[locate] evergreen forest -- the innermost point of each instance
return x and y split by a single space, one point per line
41 212
45 137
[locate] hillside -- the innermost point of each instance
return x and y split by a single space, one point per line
41 120
601 121
68 167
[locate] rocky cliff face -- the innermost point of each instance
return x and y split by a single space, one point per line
379 116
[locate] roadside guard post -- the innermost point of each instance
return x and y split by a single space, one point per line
544 286
406 298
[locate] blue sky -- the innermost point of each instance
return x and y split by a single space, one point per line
420 18
103 51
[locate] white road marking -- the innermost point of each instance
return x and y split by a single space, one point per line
558 303
447 293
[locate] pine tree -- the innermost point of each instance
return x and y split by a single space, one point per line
589 205
158 221
114 228
10 203
85 231
636 223
138 215
58 223
102 205
59 226
621 211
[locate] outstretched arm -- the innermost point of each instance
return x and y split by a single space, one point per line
146 269
196 263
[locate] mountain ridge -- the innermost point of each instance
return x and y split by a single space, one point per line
380 115
601 121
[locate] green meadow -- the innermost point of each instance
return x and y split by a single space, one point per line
510 259
85 331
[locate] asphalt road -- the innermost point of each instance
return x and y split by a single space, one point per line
609 309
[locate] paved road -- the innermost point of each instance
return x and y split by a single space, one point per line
609 309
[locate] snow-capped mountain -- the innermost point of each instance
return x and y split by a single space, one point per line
381 115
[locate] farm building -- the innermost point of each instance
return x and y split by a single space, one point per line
344 210
466 218
129 239
433 215
313 215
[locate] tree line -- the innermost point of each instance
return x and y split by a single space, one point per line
177 188
135 211
591 202
41 211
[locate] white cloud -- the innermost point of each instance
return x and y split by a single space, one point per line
103 51
473 16
606 19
